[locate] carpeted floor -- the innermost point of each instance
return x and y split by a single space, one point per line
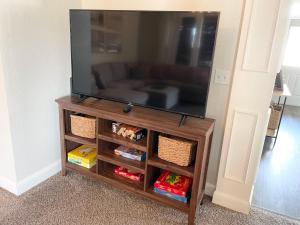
75 199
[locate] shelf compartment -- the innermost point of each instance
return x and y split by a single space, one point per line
81 140
174 203
114 138
107 171
109 156
81 169
163 164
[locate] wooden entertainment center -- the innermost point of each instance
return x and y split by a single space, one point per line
155 122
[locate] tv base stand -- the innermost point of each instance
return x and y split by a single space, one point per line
182 120
79 98
128 108
155 122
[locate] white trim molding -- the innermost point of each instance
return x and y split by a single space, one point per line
30 181
258 57
231 202
242 134
8 185
209 189
38 177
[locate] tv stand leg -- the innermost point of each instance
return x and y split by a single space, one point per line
182 120
128 108
63 172
191 217
79 98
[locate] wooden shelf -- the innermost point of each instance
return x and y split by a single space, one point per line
81 140
108 155
179 205
114 138
155 122
108 172
163 164
81 169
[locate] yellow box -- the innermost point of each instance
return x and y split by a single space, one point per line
84 156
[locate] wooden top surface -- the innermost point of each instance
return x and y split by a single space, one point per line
156 120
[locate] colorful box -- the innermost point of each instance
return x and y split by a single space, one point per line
130 153
134 133
171 195
123 172
83 156
176 184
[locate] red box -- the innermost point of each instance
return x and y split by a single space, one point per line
173 183
123 172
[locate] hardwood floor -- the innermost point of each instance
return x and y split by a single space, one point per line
277 186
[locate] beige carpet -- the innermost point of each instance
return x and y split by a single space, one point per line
75 199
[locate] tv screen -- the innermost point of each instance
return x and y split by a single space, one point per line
156 59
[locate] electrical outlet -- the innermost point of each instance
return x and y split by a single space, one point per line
222 76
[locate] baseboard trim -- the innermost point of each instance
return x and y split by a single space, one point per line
231 202
209 189
8 185
37 177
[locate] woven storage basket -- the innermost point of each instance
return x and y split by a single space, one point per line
276 111
176 150
83 126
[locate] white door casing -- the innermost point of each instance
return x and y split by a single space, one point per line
291 64
258 59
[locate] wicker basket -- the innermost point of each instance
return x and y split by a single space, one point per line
276 111
176 150
83 126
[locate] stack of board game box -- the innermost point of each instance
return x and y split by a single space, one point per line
130 153
131 132
123 172
173 186
84 156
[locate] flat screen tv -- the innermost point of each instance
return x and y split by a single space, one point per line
157 59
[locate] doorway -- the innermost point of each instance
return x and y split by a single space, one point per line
277 186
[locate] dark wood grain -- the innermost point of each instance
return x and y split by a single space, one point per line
108 155
81 169
160 163
81 140
109 173
195 187
156 122
62 140
179 205
112 137
151 119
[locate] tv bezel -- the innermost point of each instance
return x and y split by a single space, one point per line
141 105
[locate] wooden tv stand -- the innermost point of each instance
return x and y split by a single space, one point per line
198 130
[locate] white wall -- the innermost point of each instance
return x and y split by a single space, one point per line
291 62
291 76
224 55
7 166
34 45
